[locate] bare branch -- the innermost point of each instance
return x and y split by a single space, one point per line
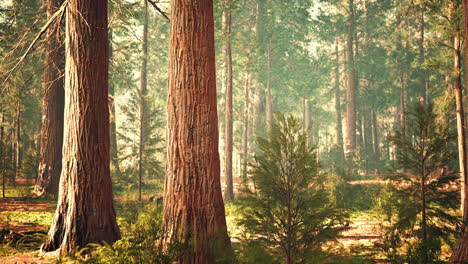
51 20
158 9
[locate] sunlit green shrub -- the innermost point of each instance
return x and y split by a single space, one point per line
418 203
138 243
289 212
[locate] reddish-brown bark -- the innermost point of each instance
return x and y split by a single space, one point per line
193 205
50 164
85 212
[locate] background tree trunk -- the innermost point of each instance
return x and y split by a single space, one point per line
193 205
245 137
350 144
269 102
18 144
460 252
375 139
423 79
85 211
229 191
339 125
113 127
2 152
307 120
143 90
50 164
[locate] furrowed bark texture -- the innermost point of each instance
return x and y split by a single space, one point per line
50 164
85 212
460 253
193 204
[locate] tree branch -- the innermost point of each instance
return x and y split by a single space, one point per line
57 14
158 9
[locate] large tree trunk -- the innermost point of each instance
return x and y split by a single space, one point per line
142 94
85 211
350 144
193 205
339 125
460 253
50 164
229 191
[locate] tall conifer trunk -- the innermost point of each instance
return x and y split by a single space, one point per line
50 164
460 253
85 211
350 143
193 205
269 99
229 191
2 152
245 137
113 127
422 55
337 95
142 101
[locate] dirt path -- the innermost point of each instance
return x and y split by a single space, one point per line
10 204
24 258
361 233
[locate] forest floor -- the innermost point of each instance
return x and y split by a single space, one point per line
25 215
20 215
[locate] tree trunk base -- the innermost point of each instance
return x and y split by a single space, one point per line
460 252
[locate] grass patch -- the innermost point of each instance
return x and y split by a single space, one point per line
31 218
18 191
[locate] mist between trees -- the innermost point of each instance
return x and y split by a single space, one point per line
233 131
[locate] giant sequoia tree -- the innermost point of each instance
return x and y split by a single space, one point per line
52 117
85 212
193 204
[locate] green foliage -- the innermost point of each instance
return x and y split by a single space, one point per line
254 253
288 212
423 182
138 243
141 133
20 95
